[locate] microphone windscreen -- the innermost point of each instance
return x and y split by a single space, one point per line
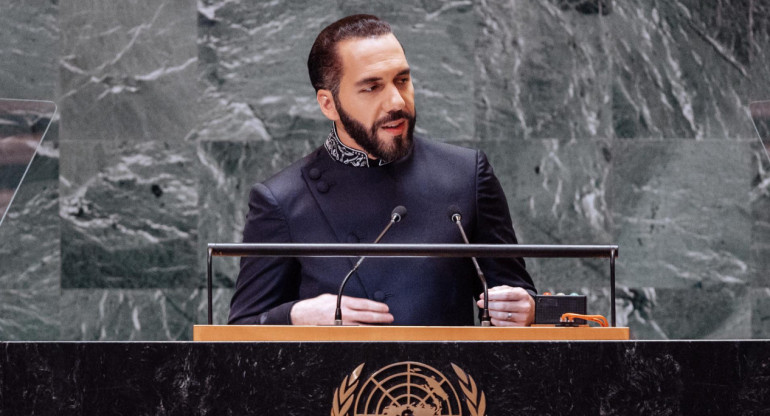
452 211
398 213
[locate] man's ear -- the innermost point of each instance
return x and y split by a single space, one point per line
326 102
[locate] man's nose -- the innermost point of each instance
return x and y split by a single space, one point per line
394 100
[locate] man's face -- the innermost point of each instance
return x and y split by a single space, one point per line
375 102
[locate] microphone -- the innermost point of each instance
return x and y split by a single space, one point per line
396 215
455 216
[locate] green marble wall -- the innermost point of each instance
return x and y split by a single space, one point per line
606 121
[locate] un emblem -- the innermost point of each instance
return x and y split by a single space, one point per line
407 389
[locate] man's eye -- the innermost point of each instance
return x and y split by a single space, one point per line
371 88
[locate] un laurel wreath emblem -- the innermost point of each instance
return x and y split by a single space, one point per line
407 388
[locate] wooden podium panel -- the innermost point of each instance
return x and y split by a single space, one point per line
403 333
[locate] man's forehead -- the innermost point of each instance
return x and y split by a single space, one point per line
364 56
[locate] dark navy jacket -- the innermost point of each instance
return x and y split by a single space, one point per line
320 200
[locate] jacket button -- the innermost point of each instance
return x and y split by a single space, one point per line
314 173
379 296
322 187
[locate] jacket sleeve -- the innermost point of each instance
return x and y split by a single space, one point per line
494 226
267 287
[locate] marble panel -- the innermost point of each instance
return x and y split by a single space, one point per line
30 314
760 313
29 51
557 194
230 170
253 69
681 212
127 70
680 70
739 33
131 315
542 71
129 215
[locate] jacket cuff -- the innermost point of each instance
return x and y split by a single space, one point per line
280 315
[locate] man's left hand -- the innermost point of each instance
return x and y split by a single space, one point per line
509 306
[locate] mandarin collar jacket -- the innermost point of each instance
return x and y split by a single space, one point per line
320 200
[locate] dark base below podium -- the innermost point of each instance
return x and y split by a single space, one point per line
516 378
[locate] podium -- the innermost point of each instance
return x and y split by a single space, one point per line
289 333
408 370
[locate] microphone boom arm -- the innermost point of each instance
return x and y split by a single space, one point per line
398 213
485 318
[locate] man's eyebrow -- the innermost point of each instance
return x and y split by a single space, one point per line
371 80
367 81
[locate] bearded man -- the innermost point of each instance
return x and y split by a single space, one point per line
344 191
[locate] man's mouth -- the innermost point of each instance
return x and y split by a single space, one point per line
395 127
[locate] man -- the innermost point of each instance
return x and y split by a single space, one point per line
345 190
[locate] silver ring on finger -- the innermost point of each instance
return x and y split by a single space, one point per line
509 316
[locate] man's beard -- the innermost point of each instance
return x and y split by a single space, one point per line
387 150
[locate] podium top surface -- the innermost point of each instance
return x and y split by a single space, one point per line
288 333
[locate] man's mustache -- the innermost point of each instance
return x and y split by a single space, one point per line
393 116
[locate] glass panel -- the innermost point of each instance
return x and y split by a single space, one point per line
760 115
23 124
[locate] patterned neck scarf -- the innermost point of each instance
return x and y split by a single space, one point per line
344 154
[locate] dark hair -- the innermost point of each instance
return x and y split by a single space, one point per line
323 64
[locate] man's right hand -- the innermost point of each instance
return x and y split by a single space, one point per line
355 311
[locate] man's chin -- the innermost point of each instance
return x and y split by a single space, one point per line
392 141
398 147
